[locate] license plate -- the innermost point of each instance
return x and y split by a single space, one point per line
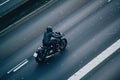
35 54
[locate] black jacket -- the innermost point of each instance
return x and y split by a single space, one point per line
47 37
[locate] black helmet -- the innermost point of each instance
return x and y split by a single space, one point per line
49 29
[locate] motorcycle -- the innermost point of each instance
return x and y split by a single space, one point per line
44 53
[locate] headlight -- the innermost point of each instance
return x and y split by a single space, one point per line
35 54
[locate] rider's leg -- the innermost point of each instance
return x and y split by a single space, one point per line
53 43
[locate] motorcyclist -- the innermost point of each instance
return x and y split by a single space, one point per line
47 39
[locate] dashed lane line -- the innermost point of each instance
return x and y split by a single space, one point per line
14 68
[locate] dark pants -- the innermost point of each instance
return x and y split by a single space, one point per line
53 43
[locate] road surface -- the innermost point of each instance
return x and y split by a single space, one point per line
90 26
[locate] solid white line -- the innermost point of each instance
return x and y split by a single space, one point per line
16 66
96 61
20 66
4 2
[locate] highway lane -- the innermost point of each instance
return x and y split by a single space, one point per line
40 21
22 30
62 66
86 31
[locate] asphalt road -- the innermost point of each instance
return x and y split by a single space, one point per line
110 70
90 26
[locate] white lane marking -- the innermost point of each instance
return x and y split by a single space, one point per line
20 66
96 61
4 2
16 66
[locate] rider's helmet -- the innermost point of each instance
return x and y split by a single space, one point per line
49 29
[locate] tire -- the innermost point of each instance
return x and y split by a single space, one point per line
37 59
40 58
63 44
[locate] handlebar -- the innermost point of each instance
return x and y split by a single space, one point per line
58 34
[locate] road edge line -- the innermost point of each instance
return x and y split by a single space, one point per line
95 61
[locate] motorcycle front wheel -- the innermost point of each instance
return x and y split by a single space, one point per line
63 44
